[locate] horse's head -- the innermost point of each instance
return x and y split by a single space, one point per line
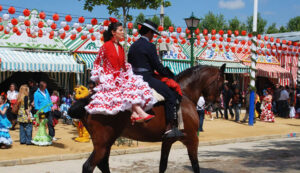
202 80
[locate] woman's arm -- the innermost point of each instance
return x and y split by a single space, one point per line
2 112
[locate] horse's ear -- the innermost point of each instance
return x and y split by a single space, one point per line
222 69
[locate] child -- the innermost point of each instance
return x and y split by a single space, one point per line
292 111
64 111
41 138
5 139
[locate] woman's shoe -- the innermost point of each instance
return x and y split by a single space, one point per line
137 120
148 118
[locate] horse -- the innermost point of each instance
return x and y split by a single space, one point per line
197 81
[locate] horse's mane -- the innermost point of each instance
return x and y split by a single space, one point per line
189 71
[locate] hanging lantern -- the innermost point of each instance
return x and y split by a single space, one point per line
128 39
15 29
178 30
51 33
272 39
27 22
197 31
228 39
55 17
73 37
214 45
1 27
289 43
139 27
229 32
187 31
250 35
68 18
83 37
67 28
213 32
1 8
262 45
183 41
206 38
42 15
220 46
258 36
244 33
81 19
41 24
91 30
168 40
130 25
26 12
106 22
79 29
14 21
243 42
213 38
236 41
198 37
221 32
249 42
159 40
63 35
283 41
160 28
221 39
94 21
266 38
205 32
40 33
171 29
204 44
93 38
11 10
53 26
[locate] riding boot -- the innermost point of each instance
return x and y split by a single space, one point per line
173 131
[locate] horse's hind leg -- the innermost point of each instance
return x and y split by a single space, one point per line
165 151
192 148
87 166
97 156
103 165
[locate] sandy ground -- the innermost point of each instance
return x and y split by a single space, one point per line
266 156
217 129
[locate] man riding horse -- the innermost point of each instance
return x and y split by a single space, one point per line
144 60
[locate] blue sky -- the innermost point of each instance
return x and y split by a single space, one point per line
279 11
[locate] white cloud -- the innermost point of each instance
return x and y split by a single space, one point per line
232 4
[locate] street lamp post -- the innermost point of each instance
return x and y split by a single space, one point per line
192 24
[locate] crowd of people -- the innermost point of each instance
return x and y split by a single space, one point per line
279 101
32 105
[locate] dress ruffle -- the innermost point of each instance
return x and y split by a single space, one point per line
5 137
118 91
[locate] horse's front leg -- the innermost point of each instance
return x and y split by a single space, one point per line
165 151
192 148
103 165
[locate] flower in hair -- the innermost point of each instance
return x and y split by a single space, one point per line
113 20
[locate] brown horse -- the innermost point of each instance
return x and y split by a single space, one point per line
104 130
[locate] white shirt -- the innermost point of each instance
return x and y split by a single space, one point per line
12 95
284 95
201 103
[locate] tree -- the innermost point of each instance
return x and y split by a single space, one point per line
167 22
155 19
212 21
272 29
115 6
236 24
139 19
282 29
294 24
261 24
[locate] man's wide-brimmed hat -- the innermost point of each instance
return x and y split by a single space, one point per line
149 24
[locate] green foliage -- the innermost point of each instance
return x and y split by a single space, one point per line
167 22
294 24
236 24
155 19
212 21
139 19
261 24
272 29
282 29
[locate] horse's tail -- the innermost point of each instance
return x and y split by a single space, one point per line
77 109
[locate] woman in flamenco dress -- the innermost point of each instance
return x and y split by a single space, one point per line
117 88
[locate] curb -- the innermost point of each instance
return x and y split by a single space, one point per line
26 161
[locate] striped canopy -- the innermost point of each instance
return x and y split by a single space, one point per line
13 60
176 66
231 67
88 59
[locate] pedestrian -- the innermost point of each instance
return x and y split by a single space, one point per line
69 99
267 114
219 106
276 96
5 139
55 108
12 95
42 102
201 112
247 107
32 89
42 138
236 102
25 116
91 86
227 95
283 105
64 111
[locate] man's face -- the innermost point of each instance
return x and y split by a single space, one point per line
151 34
43 85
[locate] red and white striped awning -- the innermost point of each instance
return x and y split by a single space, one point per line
271 70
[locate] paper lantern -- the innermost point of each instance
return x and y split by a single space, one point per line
40 33
63 35
266 38
205 32
168 40
73 37
1 27
93 38
175 41
213 38
94 21
295 44
197 31
171 29
42 15
55 17
1 8
198 37
51 33
178 30
15 29
83 37
79 29
243 42
14 21
249 42
130 25
236 41
159 40
128 39
67 28
236 33
81 19
27 22
289 43
183 41
68 18
214 45
262 45
272 39
220 46
250 35
229 32
221 32
139 27
11 10
187 31
258 36
277 40
160 28
41 24
244 33
26 12
221 39
91 30
283 41
228 39
53 26
213 32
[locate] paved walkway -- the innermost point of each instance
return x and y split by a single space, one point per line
275 155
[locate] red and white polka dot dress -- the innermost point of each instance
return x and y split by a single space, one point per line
117 87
